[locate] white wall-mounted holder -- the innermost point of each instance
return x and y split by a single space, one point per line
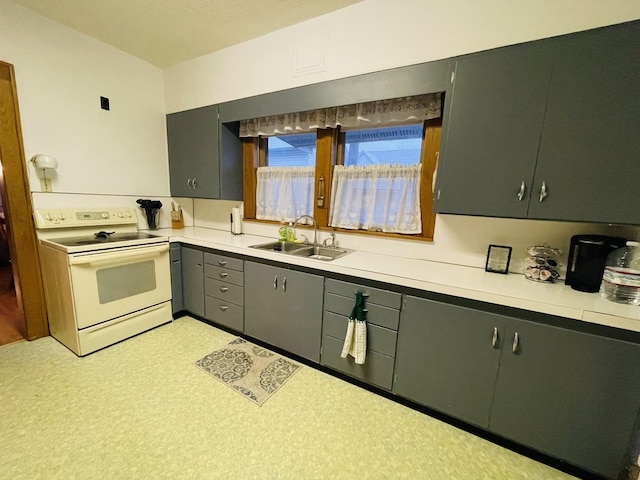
45 162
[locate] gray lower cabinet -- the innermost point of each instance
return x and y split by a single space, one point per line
176 277
224 290
569 394
383 311
284 308
192 261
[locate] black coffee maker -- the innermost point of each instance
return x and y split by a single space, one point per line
587 259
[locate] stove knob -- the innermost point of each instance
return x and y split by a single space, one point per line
61 217
105 215
120 215
48 217
128 214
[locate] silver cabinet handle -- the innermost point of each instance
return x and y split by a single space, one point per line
223 274
275 282
521 192
222 263
284 284
193 182
516 340
543 191
224 308
224 289
189 183
494 337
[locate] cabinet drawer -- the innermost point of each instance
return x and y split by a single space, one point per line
376 296
379 339
224 313
224 291
377 369
225 262
376 314
224 274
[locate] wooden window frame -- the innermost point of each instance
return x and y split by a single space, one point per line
328 152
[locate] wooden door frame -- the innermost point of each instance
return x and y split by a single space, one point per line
23 244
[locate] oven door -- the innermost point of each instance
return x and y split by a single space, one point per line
110 284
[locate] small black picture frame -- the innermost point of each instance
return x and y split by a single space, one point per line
498 258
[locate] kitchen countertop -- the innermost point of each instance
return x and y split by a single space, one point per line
511 290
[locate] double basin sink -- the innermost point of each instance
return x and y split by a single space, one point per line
303 250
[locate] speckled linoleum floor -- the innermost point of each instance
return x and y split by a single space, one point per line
141 410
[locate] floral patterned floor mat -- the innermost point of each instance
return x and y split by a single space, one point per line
253 371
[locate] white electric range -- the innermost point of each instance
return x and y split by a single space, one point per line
104 280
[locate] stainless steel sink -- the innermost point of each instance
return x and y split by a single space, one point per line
303 250
321 253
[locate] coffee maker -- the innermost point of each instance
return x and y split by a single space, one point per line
587 259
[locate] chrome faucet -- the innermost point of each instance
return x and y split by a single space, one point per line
332 238
315 227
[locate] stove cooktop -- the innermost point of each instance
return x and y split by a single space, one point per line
109 239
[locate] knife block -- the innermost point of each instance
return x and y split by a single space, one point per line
177 221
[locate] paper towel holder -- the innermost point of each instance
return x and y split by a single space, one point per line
235 218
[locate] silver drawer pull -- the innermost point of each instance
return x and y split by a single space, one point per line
364 294
223 274
275 282
222 263
224 308
543 191
521 192
494 337
284 284
224 289
516 341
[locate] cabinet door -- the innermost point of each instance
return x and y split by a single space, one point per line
176 278
572 395
284 308
193 280
447 358
493 131
589 154
192 138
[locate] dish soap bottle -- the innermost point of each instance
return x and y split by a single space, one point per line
283 232
621 279
291 233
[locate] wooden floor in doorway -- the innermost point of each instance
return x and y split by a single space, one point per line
11 316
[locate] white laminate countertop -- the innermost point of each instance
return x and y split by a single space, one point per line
511 290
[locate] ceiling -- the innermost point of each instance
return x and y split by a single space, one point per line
168 32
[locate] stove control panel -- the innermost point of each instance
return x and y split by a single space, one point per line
81 217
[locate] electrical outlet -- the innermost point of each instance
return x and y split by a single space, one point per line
45 185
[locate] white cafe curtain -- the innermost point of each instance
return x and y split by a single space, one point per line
383 198
284 193
394 111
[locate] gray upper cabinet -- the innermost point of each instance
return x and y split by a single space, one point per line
546 130
590 151
492 134
284 308
205 157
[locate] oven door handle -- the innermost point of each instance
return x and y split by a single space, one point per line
111 257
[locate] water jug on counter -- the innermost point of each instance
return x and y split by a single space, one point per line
621 279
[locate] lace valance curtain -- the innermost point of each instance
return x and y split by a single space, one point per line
359 115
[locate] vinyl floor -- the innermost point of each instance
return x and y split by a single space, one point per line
141 409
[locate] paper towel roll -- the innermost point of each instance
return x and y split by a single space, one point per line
236 221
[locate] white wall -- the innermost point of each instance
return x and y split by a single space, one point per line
376 35
60 75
